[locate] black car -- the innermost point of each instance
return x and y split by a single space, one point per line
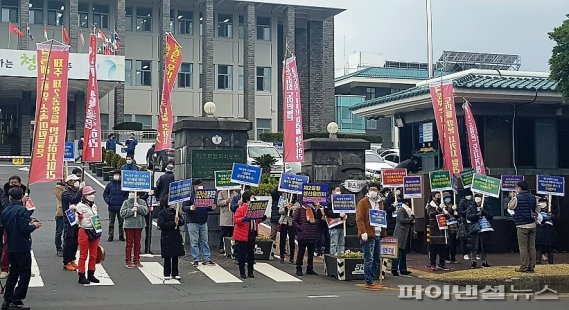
162 158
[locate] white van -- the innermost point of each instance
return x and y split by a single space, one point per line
259 148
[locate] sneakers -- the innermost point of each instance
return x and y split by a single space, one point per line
525 269
196 264
311 272
121 238
82 279
167 277
69 267
433 268
138 265
373 287
473 265
3 275
74 264
110 239
91 276
129 265
485 264
208 263
59 253
443 268
405 272
466 257
177 277
395 273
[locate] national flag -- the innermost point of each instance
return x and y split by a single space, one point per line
65 35
45 32
29 32
81 38
15 30
117 40
101 36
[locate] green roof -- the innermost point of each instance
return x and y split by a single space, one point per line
471 81
390 73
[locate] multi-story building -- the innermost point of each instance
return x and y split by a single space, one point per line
233 53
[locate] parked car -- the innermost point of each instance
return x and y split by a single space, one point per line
258 148
390 155
374 164
163 157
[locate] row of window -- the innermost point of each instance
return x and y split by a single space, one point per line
139 73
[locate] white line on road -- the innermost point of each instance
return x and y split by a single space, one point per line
154 223
218 274
36 280
323 296
100 273
274 273
93 178
153 271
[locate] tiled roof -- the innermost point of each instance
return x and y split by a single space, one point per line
471 81
389 73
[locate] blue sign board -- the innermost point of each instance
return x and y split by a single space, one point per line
135 181
509 182
344 203
550 185
246 175
180 191
315 193
377 218
69 152
292 183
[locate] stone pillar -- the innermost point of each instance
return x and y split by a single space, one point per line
328 107
249 74
164 26
289 34
207 54
25 123
73 28
118 105
315 59
301 48
23 41
80 108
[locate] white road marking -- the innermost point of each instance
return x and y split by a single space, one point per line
100 273
150 255
93 178
275 273
323 296
217 274
153 271
154 223
36 280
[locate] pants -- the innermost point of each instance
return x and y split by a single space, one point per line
70 247
133 236
437 249
526 242
246 252
304 247
59 232
148 231
337 241
451 249
112 217
20 274
1 240
322 238
87 248
402 260
225 231
545 249
199 242
171 266
372 259
5 261
287 231
478 246
511 236
274 231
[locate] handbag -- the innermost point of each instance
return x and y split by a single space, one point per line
92 234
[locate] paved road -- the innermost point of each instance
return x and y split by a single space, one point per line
206 288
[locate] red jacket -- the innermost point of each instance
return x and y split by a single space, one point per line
241 230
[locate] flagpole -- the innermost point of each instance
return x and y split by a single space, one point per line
430 38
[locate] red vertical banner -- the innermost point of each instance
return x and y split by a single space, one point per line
476 159
442 96
92 149
173 61
293 136
51 113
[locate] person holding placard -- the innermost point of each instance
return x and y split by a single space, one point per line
463 206
546 235
171 243
480 238
59 218
133 211
304 221
114 196
197 227
511 237
453 226
244 234
286 210
337 238
275 215
437 238
89 234
404 224
226 224
525 208
72 195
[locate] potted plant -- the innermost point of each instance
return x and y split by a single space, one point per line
265 162
99 170
345 266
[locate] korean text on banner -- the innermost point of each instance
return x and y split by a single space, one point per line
51 113
509 182
180 191
389 247
466 177
377 218
223 181
442 221
486 185
442 96
551 185
292 183
315 192
135 181
393 177
69 151
293 137
476 160
344 203
173 61
440 181
412 187
246 175
205 198
257 209
93 148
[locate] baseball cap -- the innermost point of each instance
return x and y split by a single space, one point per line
87 190
72 177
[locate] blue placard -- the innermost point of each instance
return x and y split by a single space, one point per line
246 175
377 218
69 152
135 181
550 185
509 182
180 191
315 192
292 183
344 203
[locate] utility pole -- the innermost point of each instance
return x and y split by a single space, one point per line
430 38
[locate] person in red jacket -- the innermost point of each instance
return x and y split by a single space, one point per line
244 235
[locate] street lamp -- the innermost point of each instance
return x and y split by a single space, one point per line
209 108
332 130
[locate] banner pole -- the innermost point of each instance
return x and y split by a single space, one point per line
549 198
482 204
177 213
135 202
413 205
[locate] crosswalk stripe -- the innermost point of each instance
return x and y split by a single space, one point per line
218 274
100 273
36 280
153 271
275 273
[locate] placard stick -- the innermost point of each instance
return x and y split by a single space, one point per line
395 195
135 202
549 197
482 204
345 228
177 213
413 205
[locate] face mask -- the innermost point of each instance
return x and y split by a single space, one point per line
448 200
469 197
478 200
90 198
76 184
131 195
437 200
200 187
542 205
129 161
116 177
337 192
373 195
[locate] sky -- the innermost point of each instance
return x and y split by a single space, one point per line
397 28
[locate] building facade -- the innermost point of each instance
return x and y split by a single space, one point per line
233 53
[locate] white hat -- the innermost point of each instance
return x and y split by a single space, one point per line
72 177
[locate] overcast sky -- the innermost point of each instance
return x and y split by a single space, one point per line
397 28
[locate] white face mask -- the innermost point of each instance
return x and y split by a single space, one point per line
372 195
542 205
131 195
200 187
90 198
448 200
338 192
76 184
129 161
116 177
478 199
469 197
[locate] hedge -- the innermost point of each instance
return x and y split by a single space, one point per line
278 136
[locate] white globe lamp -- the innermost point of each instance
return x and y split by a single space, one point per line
332 130
209 108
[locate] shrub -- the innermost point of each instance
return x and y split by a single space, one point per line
116 161
265 162
267 184
109 158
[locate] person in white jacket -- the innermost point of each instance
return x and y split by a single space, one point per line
87 217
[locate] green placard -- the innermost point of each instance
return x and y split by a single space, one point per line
486 185
204 163
466 176
223 181
440 181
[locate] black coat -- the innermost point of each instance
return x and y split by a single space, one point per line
171 243
163 185
389 207
546 234
275 215
473 216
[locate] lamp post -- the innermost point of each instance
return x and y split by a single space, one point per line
332 130
209 108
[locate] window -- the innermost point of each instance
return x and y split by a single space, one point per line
264 28
143 20
36 12
525 142
241 27
185 76
263 79
171 24
128 19
101 15
128 72
185 22
143 73
225 26
104 121
146 121
128 118
370 93
201 76
83 15
9 11
263 126
241 77
55 10
224 77
201 24
371 123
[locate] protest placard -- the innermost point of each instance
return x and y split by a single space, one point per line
71 216
393 177
412 187
292 183
344 203
257 209
551 185
466 176
97 223
180 191
205 198
442 221
508 182
246 174
486 185
440 181
378 218
135 181
223 181
333 222
389 248
69 152
315 192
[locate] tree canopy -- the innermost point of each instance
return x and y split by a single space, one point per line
559 61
